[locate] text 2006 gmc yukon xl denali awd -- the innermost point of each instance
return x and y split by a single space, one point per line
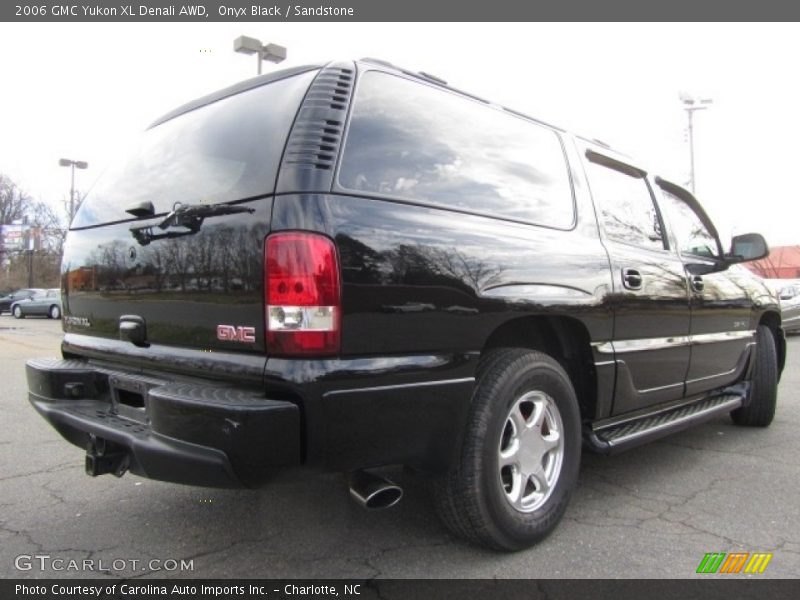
350 266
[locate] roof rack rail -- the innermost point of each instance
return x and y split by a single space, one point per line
378 61
417 74
530 118
433 78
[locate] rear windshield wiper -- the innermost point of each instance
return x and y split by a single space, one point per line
188 218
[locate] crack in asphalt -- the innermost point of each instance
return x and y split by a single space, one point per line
664 515
38 548
210 552
750 451
49 471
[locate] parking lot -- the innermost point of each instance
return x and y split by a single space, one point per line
649 513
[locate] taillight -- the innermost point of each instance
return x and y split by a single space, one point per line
302 294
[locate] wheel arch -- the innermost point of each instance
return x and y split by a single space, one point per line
565 339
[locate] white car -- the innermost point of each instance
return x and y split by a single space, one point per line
790 307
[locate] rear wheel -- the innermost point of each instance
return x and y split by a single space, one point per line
55 312
18 312
762 397
520 453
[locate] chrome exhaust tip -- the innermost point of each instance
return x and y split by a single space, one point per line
374 492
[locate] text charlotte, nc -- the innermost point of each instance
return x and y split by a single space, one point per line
195 10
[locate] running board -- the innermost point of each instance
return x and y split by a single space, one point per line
609 439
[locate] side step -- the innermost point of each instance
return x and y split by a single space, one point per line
615 437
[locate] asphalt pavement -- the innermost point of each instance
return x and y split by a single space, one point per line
653 512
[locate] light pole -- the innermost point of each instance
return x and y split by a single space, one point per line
73 164
691 104
271 52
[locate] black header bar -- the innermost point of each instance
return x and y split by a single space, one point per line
394 10
400 589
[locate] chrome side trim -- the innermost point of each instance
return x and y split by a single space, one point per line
605 363
725 336
731 372
401 386
622 346
640 345
660 388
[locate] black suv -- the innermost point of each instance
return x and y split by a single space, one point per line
351 266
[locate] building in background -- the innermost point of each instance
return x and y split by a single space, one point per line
783 262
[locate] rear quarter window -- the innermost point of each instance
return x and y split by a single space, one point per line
221 152
412 141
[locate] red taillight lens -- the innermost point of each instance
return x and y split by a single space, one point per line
302 294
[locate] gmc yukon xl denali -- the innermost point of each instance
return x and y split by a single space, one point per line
351 266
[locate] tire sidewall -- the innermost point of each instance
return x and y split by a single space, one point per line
518 528
759 411
17 312
55 312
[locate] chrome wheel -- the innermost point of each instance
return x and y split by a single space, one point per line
531 451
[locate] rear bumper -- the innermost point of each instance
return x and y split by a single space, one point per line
188 431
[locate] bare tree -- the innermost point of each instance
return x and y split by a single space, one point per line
75 205
52 227
14 202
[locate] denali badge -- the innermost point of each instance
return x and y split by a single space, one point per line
77 321
229 333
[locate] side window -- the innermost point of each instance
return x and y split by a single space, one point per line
414 141
626 207
693 237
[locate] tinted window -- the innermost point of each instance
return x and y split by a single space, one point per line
626 207
693 237
227 150
417 142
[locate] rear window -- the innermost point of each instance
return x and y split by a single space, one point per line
225 151
413 141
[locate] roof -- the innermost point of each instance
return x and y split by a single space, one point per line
254 82
236 88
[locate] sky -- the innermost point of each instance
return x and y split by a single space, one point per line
85 90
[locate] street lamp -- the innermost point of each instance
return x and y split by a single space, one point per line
691 104
73 164
271 52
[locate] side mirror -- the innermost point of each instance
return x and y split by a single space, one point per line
747 247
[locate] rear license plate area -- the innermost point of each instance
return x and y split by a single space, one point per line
129 396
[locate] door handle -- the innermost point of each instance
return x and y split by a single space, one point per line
632 279
696 283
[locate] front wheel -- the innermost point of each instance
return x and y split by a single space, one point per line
519 456
759 410
55 312
18 313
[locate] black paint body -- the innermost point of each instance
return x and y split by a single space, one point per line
426 290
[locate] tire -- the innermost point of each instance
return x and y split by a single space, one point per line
759 409
54 312
487 498
18 314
